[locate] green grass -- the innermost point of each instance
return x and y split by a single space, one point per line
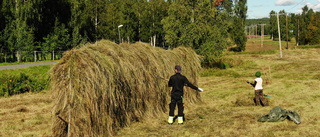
308 46
228 108
16 63
18 81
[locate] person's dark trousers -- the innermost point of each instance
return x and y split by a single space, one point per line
176 100
259 99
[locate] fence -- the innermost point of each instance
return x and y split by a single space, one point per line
30 56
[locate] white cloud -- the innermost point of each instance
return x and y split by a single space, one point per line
285 2
315 7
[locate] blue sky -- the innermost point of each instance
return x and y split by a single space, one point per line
262 8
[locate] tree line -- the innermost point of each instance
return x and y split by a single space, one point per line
304 27
207 26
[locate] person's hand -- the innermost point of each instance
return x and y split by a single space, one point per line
248 82
200 89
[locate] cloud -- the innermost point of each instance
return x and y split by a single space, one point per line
258 16
285 2
257 6
315 7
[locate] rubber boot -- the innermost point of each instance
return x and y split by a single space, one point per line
180 120
170 120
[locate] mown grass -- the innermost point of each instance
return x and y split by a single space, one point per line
227 108
26 114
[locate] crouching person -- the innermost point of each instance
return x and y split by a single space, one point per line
258 89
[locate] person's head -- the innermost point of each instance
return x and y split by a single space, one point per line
258 74
177 69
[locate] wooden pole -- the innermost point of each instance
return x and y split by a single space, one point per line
69 122
287 30
270 79
298 33
279 35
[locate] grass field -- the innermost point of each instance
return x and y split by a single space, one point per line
227 108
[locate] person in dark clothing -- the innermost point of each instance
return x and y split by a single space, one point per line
177 82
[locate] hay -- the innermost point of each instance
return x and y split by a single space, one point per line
98 89
248 101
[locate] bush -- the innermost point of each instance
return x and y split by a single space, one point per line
28 80
219 73
225 63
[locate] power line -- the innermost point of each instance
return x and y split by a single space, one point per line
296 5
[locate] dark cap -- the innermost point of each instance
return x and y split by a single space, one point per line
258 74
178 68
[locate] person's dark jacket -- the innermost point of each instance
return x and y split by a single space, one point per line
177 82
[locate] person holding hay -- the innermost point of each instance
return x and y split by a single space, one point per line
258 89
177 83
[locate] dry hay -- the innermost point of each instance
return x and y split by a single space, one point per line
248 101
99 88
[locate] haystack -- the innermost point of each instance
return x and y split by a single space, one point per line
100 88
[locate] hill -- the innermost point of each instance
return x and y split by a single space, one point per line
257 21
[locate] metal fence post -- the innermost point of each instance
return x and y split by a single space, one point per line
18 56
53 55
35 57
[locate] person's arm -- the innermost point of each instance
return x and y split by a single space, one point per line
253 84
186 81
170 83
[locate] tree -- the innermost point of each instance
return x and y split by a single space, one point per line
91 19
59 39
129 19
273 25
75 23
303 27
238 25
313 34
198 25
151 27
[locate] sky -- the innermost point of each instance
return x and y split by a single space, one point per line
261 8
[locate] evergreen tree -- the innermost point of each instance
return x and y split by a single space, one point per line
198 25
304 23
151 27
58 40
238 27
283 28
91 19
129 31
273 25
112 20
76 7
314 29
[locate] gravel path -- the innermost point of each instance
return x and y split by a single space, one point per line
25 65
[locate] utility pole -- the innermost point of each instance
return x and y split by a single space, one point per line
256 31
249 27
298 33
279 32
279 35
262 33
287 30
